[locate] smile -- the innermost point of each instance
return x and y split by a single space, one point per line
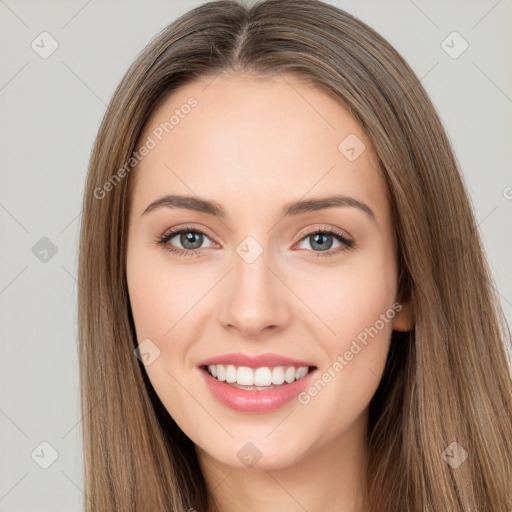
256 390
256 378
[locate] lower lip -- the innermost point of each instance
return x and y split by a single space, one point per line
243 400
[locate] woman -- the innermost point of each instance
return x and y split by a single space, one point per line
331 339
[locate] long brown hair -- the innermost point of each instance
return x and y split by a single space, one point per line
448 380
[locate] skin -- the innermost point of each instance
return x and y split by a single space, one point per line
254 145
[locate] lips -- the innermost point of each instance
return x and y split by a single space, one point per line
255 361
250 400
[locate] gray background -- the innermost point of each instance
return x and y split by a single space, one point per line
50 111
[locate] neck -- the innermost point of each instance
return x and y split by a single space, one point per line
329 477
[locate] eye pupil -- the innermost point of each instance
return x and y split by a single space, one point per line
321 245
193 238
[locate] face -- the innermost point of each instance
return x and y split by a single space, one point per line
317 285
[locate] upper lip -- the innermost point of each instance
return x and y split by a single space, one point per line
254 361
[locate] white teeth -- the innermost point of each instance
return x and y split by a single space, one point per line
245 376
278 375
221 372
263 376
289 374
230 373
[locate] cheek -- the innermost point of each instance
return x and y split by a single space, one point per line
355 304
160 294
162 300
169 307
348 299
149 300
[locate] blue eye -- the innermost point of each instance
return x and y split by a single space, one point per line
323 240
191 239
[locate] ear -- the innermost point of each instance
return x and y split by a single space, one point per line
404 318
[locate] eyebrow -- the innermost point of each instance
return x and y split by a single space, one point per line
290 209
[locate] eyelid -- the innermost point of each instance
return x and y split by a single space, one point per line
171 232
304 232
310 230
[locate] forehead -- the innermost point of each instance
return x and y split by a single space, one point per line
250 140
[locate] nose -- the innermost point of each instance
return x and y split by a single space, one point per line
255 300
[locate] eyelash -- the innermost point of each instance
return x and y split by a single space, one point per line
164 239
